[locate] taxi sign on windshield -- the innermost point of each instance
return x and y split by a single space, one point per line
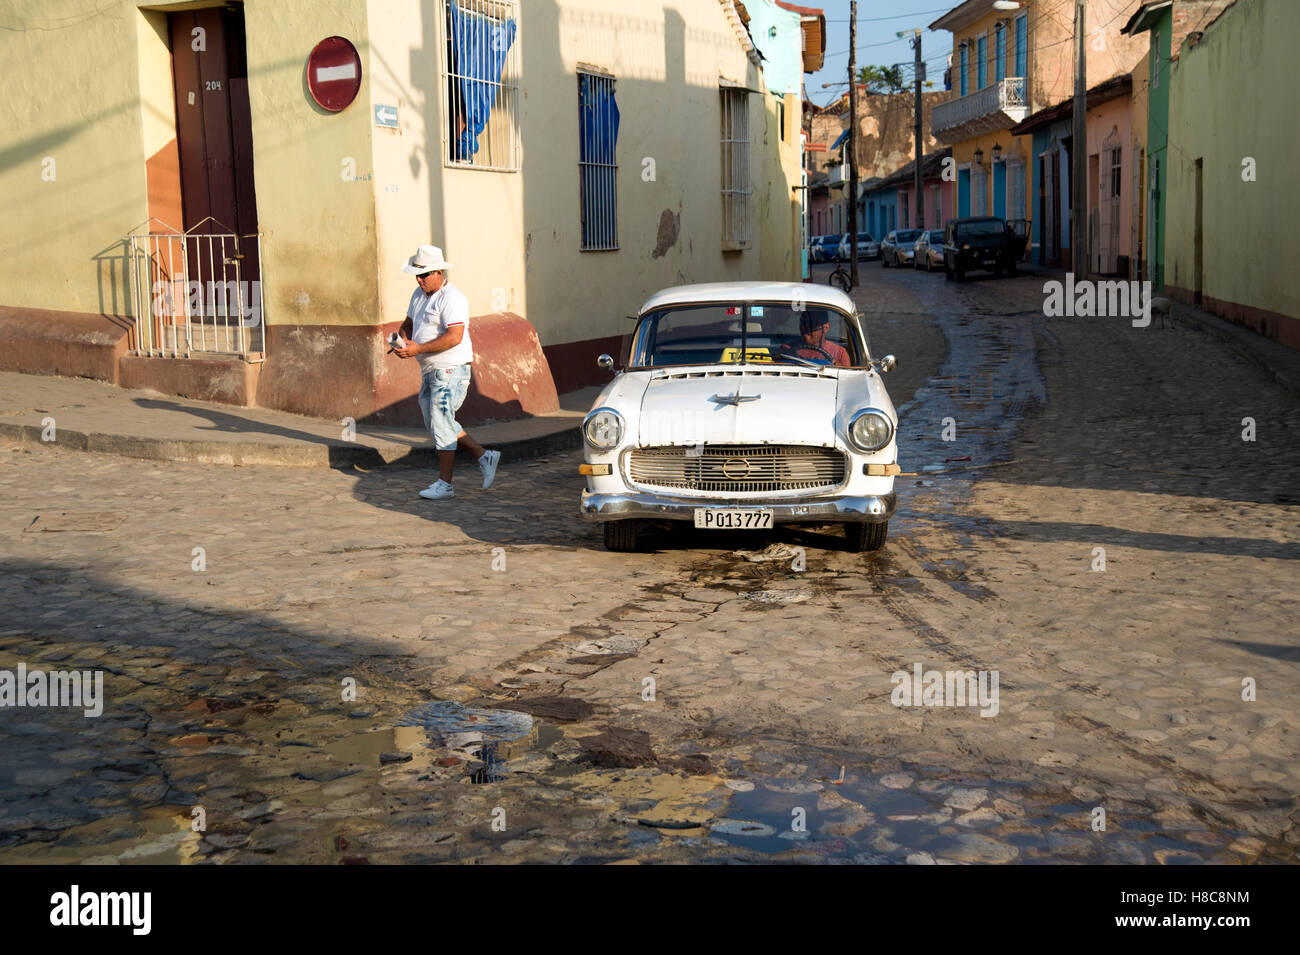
751 354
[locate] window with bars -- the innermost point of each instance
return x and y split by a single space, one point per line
735 168
964 57
598 161
981 61
481 77
1116 170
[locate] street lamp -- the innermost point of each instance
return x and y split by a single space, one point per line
979 156
997 152
1006 5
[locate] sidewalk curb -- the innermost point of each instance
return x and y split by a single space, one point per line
1266 353
333 454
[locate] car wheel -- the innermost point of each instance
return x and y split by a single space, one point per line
866 537
884 261
947 272
621 535
1012 270
957 273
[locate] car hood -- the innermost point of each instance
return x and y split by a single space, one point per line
787 405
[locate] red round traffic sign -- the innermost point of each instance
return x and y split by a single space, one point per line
334 73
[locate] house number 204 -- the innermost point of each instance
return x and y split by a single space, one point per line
213 85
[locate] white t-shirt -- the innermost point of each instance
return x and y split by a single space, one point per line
431 316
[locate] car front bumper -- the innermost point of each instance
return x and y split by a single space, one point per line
873 509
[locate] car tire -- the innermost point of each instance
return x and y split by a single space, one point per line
866 537
884 261
957 273
621 535
1012 270
947 272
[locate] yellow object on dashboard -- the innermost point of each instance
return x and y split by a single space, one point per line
751 354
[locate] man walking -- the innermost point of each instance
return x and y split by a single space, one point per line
436 332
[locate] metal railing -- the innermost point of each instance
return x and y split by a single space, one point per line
998 106
196 291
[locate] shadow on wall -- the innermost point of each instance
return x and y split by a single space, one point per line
113 282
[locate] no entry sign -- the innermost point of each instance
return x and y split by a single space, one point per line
334 73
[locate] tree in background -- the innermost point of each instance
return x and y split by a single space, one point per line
883 79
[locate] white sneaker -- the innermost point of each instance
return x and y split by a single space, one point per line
489 463
438 490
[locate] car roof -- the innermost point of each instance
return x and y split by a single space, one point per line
806 292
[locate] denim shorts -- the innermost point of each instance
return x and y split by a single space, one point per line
442 392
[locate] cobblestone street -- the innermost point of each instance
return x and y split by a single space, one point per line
523 695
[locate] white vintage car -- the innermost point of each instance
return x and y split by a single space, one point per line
744 405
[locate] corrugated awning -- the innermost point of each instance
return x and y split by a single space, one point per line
840 142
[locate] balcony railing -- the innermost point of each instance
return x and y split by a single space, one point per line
998 106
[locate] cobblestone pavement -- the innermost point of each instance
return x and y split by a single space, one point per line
522 695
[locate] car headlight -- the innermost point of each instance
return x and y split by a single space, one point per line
870 430
603 428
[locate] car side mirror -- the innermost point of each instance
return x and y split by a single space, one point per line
888 363
605 362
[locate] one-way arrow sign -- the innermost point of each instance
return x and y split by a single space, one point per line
386 116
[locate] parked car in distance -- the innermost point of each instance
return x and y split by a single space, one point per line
823 248
897 247
868 248
981 242
743 405
928 251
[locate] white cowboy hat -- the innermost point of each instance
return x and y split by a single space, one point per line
427 258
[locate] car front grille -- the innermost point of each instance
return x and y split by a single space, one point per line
736 468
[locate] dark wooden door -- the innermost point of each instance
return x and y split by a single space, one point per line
214 126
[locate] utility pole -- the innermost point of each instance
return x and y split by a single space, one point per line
919 70
1079 153
853 143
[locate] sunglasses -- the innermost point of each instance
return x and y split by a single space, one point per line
424 275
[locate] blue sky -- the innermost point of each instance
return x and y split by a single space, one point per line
878 21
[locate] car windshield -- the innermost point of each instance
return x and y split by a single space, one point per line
936 237
765 334
909 236
982 227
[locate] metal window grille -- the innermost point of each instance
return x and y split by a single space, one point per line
1116 168
735 167
598 161
480 73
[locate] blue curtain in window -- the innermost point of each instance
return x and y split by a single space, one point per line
981 62
597 145
479 46
965 70
1000 54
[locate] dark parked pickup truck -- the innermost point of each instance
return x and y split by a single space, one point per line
981 242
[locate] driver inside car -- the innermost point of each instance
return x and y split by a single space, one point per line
814 326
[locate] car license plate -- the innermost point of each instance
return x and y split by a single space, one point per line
719 518
990 261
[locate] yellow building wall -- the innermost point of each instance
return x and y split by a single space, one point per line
1229 102
341 203
93 103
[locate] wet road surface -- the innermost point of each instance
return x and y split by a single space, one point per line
359 676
